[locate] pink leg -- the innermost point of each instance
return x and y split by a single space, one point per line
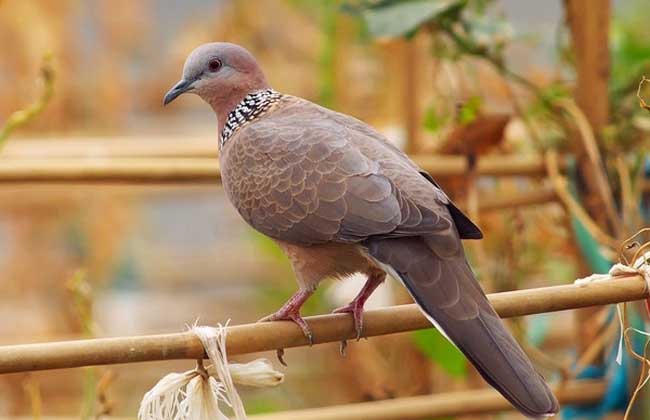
375 278
290 311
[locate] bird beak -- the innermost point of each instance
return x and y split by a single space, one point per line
178 89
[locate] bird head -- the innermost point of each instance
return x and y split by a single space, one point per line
222 74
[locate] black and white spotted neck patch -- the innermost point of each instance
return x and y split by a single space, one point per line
251 107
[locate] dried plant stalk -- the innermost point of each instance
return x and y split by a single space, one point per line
642 102
24 116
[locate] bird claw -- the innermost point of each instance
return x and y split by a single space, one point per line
279 353
295 317
356 310
343 345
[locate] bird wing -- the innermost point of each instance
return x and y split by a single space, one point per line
308 180
403 171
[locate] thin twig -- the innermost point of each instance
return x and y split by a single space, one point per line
572 205
593 153
24 116
642 102
595 348
630 196
643 379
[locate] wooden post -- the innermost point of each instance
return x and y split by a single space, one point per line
589 24
412 121
588 21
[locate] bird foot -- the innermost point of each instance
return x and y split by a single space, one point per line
290 314
293 315
356 309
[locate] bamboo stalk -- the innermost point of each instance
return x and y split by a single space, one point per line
142 146
252 338
448 404
490 203
204 147
452 165
21 196
119 170
206 170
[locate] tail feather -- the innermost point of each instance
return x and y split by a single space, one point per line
449 295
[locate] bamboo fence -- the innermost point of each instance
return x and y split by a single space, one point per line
196 162
258 337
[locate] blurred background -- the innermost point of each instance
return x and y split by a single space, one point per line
478 78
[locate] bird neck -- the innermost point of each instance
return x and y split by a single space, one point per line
225 99
224 105
247 109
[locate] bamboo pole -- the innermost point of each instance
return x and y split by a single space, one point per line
489 203
452 165
142 146
26 196
589 23
206 170
411 93
258 337
448 404
119 170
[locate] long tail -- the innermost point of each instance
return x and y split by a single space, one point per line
447 292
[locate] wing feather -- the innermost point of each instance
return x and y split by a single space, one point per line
311 183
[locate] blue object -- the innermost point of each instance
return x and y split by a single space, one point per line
618 391
589 248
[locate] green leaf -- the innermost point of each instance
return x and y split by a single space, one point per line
434 121
399 18
437 348
469 111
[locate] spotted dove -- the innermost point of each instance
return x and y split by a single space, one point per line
339 199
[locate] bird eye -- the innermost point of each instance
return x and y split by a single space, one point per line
214 65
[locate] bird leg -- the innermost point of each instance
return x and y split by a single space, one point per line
375 278
290 311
